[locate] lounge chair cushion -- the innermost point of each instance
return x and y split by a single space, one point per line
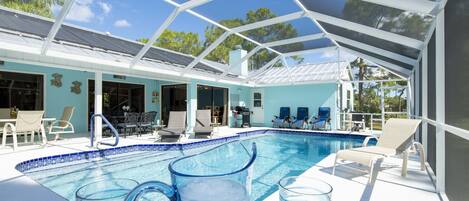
203 130
358 156
171 132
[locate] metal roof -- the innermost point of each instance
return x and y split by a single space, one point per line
305 73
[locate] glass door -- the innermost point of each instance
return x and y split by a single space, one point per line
214 99
173 98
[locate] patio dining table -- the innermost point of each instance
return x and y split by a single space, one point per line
46 119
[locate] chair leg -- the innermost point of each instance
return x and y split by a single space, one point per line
422 156
32 136
25 136
405 158
43 135
15 141
4 138
335 163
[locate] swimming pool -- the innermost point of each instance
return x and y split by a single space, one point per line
280 154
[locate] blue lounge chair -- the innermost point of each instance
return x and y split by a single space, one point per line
323 118
301 119
283 120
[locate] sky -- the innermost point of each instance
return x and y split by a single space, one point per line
139 19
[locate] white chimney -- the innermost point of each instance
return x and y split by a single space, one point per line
236 56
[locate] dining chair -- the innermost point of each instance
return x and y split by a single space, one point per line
26 122
63 125
4 114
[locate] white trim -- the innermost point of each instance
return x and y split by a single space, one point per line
378 33
227 29
369 48
424 97
295 40
310 51
57 24
380 62
297 83
416 6
268 22
208 50
265 67
154 37
440 101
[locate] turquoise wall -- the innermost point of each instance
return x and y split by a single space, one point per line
57 98
312 96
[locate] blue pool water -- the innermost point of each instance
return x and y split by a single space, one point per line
279 155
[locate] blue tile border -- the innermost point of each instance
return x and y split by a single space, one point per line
87 155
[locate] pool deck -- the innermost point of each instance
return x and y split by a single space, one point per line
348 184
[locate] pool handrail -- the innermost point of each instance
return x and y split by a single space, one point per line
114 131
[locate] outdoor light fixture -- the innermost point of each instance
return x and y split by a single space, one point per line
2 62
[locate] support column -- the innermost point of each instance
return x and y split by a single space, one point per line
191 105
440 101
98 104
425 99
382 105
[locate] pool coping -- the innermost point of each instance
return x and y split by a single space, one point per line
42 162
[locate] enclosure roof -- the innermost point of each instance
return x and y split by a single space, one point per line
305 73
391 34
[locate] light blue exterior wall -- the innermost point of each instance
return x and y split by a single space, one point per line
57 98
312 96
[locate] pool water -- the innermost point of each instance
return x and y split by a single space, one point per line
279 155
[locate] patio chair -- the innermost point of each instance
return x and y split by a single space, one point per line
301 119
26 122
4 114
176 126
130 123
146 122
395 139
283 120
203 124
322 120
63 125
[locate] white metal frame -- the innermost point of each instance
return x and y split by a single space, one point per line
57 24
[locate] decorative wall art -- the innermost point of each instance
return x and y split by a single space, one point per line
75 88
57 81
155 97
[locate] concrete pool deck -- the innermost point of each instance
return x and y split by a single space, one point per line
347 185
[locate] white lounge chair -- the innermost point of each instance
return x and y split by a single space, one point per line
203 124
176 126
26 122
396 139
4 114
63 125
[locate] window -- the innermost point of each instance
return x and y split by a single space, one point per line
257 99
214 99
116 95
21 90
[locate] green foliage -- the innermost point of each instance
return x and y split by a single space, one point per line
184 42
368 98
37 7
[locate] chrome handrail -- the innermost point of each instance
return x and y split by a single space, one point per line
114 131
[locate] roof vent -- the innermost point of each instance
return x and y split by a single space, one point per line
108 33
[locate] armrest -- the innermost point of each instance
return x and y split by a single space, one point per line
8 125
367 139
56 123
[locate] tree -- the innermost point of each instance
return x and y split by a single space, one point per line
184 42
38 7
270 33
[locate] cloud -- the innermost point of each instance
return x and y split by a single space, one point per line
122 23
105 7
329 54
81 11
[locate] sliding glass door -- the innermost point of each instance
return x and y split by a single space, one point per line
21 90
214 99
115 96
173 98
